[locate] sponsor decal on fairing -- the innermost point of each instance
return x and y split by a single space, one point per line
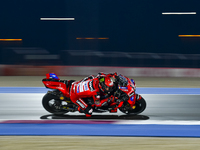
132 98
91 86
82 86
78 89
80 104
130 95
123 88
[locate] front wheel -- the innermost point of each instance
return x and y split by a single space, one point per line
53 104
138 108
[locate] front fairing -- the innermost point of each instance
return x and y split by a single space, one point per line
130 91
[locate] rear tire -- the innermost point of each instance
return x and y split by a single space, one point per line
52 104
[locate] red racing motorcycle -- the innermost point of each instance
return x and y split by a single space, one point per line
57 100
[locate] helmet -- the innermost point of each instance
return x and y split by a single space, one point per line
106 84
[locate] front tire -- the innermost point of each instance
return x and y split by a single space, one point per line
52 104
140 106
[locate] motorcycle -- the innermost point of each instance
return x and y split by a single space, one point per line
57 100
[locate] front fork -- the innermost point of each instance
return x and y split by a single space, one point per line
130 104
138 97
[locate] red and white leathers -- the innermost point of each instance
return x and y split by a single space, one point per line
85 89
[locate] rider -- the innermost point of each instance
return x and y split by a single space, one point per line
88 92
121 92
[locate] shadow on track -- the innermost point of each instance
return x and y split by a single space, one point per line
115 117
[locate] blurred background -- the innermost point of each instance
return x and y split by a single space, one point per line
128 33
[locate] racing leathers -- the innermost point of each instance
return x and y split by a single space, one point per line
124 88
87 95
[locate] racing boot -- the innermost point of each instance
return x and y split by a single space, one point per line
80 110
88 111
84 108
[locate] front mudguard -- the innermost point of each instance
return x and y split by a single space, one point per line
137 108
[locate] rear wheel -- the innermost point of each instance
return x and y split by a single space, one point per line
138 108
53 104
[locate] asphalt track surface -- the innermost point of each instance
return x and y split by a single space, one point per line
27 106
175 107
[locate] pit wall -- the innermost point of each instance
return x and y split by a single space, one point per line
27 70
